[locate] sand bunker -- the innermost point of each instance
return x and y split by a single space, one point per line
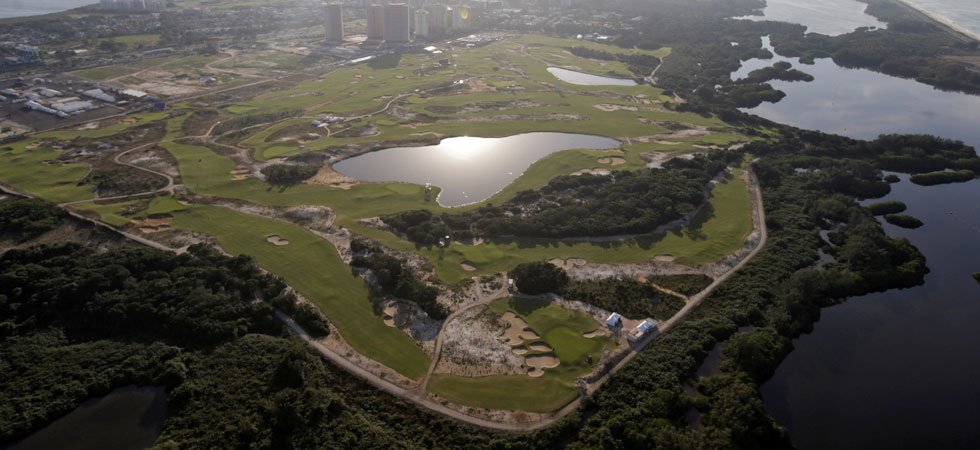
153 224
606 107
89 126
540 347
241 173
518 331
519 350
467 266
389 315
329 177
594 171
569 263
276 240
612 160
537 363
594 333
664 258
33 146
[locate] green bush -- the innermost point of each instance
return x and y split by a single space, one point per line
539 277
903 220
889 207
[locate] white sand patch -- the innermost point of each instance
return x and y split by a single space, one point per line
276 240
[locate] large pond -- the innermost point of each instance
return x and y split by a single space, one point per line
467 169
830 17
127 418
587 79
864 104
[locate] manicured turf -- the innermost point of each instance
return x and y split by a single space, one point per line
312 266
560 328
506 392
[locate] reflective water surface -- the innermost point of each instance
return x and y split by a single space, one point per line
586 79
467 169
127 418
898 369
863 104
830 17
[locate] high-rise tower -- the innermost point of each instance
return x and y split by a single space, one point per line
333 22
421 23
397 23
376 23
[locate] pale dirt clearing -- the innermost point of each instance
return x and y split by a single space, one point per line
329 177
471 346
609 107
594 171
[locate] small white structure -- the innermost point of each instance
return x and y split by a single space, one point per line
646 328
614 320
510 285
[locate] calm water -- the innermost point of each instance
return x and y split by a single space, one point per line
21 8
864 104
830 17
127 418
585 79
898 369
468 169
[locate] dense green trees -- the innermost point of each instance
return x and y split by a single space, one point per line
397 279
625 296
574 206
25 219
685 284
289 174
903 220
887 207
943 177
539 277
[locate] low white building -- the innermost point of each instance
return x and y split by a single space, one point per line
646 328
614 320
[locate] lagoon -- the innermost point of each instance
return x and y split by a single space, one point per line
586 79
467 169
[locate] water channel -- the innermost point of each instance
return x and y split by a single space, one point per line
129 418
467 169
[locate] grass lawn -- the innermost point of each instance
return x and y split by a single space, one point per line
560 328
312 266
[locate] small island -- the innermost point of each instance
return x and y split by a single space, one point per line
903 220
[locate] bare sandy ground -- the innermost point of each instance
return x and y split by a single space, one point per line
608 107
276 240
329 177
594 171
612 160
153 225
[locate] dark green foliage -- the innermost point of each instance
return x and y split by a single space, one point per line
976 276
397 279
757 353
780 71
892 178
903 220
640 65
539 277
122 180
289 174
625 296
573 206
29 218
684 284
199 297
943 177
888 207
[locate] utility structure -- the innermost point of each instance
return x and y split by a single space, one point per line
333 22
397 23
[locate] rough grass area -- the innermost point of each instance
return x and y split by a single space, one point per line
562 329
313 267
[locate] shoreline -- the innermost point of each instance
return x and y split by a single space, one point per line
941 20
